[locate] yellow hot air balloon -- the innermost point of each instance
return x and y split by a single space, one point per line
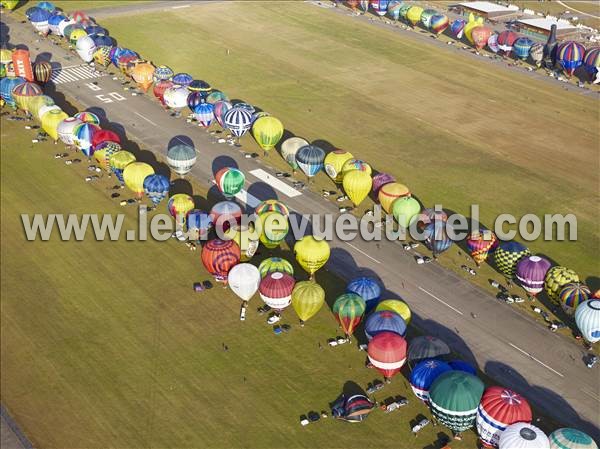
36 103
50 121
267 131
118 161
334 162
414 15
134 175
273 228
390 193
247 239
395 305
9 4
356 164
357 185
143 75
307 299
471 25
311 253
76 34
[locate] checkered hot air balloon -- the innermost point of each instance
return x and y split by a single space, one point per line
573 294
348 310
238 121
276 289
424 374
181 158
387 353
219 256
104 151
556 278
156 188
310 159
507 255
531 272
102 55
570 56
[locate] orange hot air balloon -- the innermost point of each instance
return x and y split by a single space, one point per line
219 256
480 36
22 64
143 75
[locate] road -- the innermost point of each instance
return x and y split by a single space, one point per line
578 11
510 347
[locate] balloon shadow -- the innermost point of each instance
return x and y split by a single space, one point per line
222 162
44 57
180 185
325 145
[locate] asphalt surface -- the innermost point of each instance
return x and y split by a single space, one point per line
510 347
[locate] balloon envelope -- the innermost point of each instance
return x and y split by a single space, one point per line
220 256
334 163
357 185
275 264
387 353
587 318
367 288
267 131
276 290
290 147
395 305
310 159
135 174
424 374
384 321
244 279
348 310
523 436
307 299
312 253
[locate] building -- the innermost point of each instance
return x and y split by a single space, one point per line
540 28
488 10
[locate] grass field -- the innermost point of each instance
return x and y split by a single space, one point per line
106 345
70 6
454 131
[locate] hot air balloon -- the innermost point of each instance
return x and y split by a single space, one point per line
493 43
389 193
274 227
37 103
457 28
39 20
204 113
310 160
6 87
357 185
87 117
179 206
289 148
587 318
426 347
181 158
334 163
216 96
573 294
267 132
355 164
307 299
437 239
220 256
200 86
182 79
77 33
506 40
393 9
64 26
531 272
275 264
439 23
387 352
244 280
134 175
424 374
230 181
567 438
384 321
404 10
431 215
405 210
143 75
42 71
507 255
381 179
51 120
454 397
47 6
367 288
480 243
224 214
556 278
175 97
66 130
119 161
245 106
472 24
348 310
395 305
247 239
426 16
83 135
352 409
54 21
591 60
272 206
23 93
498 409
364 4
523 436
276 290
414 15
199 223
102 40
238 121
481 35
105 135
85 46
160 87
521 47
103 153
9 4
220 108
311 253
380 7
163 73
570 56
461 365
22 64
156 187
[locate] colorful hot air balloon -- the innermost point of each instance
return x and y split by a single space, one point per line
275 264
200 86
437 239
6 87
480 36
498 409
307 299
523 436
521 47
50 121
426 16
439 23
536 53
119 161
591 60
404 10
405 210
352 409
230 181
220 108
493 43
379 6
87 117
216 96
273 229
424 374
357 185
587 318
355 164
272 206
23 93
506 40
103 152
163 73
573 294
395 305
247 239
224 214
42 71
134 175
472 23
39 19
181 158
387 353
480 243
311 253
414 15
66 130
85 46
556 278
389 193
457 28
334 163
244 280
276 290
393 9
156 188
454 397
204 113
570 56
567 438
179 206
143 75
531 272
507 255
199 223
367 288
427 347
310 159
384 321
289 148
238 121
160 87
182 79
267 131
220 256
348 310
105 135
83 136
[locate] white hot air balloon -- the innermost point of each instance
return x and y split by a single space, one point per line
85 48
45 109
523 436
65 130
64 24
587 317
176 97
244 279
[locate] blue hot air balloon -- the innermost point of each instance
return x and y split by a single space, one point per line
437 237
461 365
200 222
367 288
156 188
424 374
203 112
6 87
238 121
94 29
182 79
384 321
522 46
102 40
310 159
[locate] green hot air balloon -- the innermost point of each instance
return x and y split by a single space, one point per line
405 210
307 299
349 310
275 264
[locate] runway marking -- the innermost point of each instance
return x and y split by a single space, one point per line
275 183
590 393
147 119
73 73
248 198
537 360
181 6
362 252
440 300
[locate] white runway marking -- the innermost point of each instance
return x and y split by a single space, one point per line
70 74
248 199
443 302
589 393
361 251
181 6
147 119
533 358
275 183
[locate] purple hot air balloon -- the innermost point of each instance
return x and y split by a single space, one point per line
381 179
531 272
457 27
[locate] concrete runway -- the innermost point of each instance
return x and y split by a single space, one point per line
510 347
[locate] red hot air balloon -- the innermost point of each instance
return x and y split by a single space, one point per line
387 353
506 39
276 290
159 89
480 36
22 64
104 135
219 256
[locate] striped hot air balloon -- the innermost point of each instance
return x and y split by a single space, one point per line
348 310
182 79
367 288
219 256
573 294
83 136
439 23
570 56
591 60
275 264
200 86
457 28
238 121
507 255
307 299
424 374
23 93
531 272
521 47
387 353
384 321
156 188
310 160
230 181
276 289
220 109
272 206
567 438
87 117
42 71
536 53
181 158
204 113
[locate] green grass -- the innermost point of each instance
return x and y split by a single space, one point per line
104 344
